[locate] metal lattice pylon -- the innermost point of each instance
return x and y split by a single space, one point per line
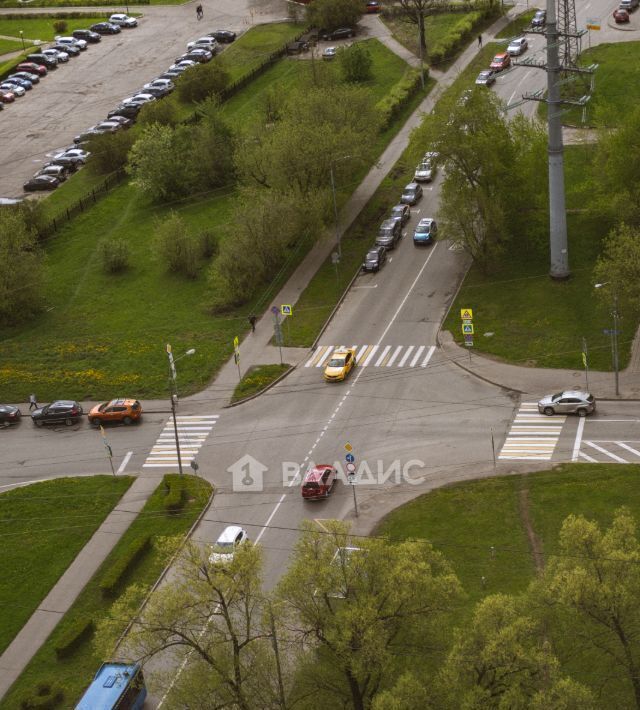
569 48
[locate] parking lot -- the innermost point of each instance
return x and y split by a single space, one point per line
80 93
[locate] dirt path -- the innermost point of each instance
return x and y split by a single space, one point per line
535 544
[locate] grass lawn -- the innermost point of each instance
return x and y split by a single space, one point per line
617 82
108 333
42 28
256 379
464 521
9 45
74 673
42 529
515 27
250 50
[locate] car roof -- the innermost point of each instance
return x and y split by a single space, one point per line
63 403
342 351
575 393
229 533
316 472
425 221
411 186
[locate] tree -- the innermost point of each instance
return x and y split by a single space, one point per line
592 588
164 113
216 615
355 63
356 611
110 151
415 11
330 14
176 247
407 694
502 660
202 81
619 264
481 210
20 269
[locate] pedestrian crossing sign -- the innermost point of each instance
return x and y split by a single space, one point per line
466 313
286 310
467 329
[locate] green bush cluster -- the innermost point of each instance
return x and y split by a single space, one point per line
114 254
176 495
60 26
177 248
74 636
399 96
460 33
130 557
47 696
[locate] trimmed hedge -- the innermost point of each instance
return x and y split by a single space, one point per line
47 696
74 636
399 96
130 557
176 495
461 34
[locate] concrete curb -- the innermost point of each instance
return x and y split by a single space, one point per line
163 574
263 390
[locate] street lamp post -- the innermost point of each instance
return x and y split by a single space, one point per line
174 397
614 337
335 202
22 38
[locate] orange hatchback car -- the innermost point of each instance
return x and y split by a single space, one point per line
117 410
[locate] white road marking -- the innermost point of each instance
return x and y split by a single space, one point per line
193 431
628 448
578 439
586 457
604 451
370 355
124 463
392 359
405 357
425 362
384 354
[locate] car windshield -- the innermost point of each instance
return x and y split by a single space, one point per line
498 58
224 544
336 362
483 74
311 484
557 396
372 256
386 231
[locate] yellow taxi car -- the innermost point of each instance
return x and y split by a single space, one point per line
340 364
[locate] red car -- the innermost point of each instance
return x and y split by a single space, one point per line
621 16
373 6
7 96
32 68
500 61
318 482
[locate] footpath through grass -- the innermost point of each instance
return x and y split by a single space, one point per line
73 673
479 529
105 333
256 379
42 529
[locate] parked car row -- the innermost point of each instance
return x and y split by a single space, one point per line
68 412
502 61
622 14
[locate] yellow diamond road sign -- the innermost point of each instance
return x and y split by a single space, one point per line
466 313
348 447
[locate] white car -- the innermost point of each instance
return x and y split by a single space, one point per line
79 43
123 20
55 54
159 84
140 97
226 544
517 46
329 53
209 43
14 89
424 172
182 65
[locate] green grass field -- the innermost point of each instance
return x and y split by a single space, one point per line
42 529
42 28
478 527
256 379
74 673
103 333
8 46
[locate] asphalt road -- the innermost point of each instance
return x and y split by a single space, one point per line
80 93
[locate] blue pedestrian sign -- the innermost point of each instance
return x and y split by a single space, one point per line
350 458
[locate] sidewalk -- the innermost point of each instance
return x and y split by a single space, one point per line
59 600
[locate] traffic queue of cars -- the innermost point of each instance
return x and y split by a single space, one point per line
68 412
622 14
62 165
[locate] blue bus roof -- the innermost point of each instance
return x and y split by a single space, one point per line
108 685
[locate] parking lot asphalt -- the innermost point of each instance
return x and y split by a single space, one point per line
79 94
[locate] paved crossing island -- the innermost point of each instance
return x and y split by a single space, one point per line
192 433
533 436
378 355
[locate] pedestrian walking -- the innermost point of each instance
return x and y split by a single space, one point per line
33 402
199 12
479 40
252 321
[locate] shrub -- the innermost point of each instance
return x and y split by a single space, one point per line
60 26
176 247
164 112
109 151
47 696
400 94
114 254
355 63
74 636
208 244
176 495
202 81
130 556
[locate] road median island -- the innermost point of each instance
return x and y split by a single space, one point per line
258 379
163 531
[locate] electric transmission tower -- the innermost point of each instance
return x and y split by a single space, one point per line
562 47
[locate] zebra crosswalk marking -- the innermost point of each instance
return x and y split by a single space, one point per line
377 355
